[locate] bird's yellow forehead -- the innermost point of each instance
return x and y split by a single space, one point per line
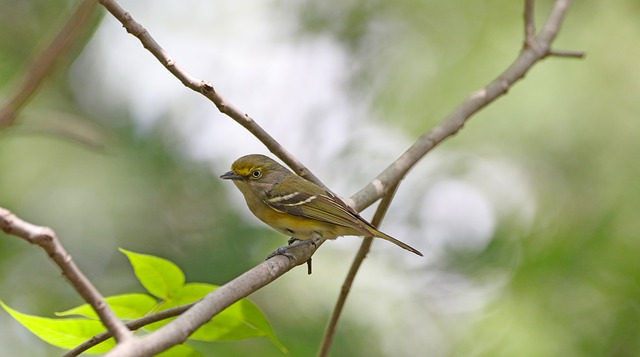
245 165
244 170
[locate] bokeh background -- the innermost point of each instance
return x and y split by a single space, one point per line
529 217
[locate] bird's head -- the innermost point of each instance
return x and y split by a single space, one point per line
256 169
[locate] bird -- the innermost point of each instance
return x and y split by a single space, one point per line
297 207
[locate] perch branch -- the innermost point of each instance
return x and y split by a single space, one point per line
201 312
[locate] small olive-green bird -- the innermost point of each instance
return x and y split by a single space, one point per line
297 207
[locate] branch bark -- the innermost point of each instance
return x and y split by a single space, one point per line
535 49
131 325
476 101
46 239
201 312
206 88
330 331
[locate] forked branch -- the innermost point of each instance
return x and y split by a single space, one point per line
536 47
534 50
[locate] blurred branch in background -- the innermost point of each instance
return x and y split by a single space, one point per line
45 62
66 127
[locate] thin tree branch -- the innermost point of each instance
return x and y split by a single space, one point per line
46 239
551 27
529 24
329 332
566 53
131 325
45 62
470 106
206 89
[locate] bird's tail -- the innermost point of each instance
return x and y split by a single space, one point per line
397 242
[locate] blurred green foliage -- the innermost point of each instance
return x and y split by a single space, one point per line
572 279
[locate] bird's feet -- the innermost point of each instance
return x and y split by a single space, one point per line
282 251
293 243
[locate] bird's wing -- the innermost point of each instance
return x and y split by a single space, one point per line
325 207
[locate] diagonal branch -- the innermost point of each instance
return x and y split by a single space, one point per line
206 89
45 62
131 325
47 240
330 331
475 102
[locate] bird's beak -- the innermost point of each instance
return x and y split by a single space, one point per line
231 176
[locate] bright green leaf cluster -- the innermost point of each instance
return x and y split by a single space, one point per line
165 281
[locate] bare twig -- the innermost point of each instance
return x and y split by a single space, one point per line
355 266
131 325
566 53
529 24
47 240
206 89
45 62
471 105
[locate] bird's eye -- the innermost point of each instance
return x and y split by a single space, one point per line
256 174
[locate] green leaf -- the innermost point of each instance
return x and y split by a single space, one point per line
180 351
63 333
126 307
161 277
255 317
190 292
239 321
